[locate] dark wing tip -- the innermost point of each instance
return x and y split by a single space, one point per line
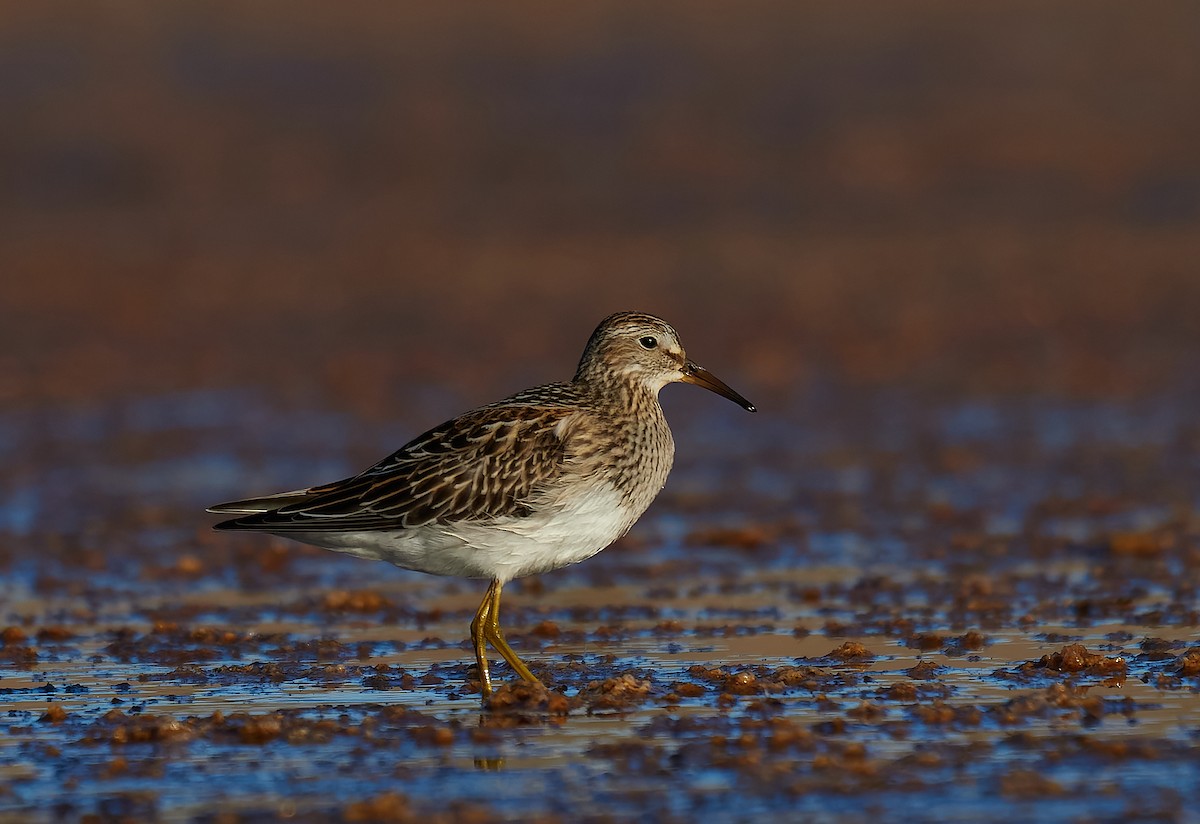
227 526
257 522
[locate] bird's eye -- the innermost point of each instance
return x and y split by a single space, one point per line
648 342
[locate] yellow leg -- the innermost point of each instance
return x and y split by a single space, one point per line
479 639
493 633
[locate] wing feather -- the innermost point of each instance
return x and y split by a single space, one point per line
480 466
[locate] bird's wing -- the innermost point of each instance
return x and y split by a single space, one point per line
480 466
263 504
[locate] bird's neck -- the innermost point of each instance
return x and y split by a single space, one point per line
622 397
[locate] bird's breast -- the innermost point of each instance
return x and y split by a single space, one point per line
631 454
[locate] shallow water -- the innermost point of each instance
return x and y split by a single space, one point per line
709 661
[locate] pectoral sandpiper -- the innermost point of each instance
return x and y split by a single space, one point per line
537 481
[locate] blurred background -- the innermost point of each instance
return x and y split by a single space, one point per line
343 204
950 249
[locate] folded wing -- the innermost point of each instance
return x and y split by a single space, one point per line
481 466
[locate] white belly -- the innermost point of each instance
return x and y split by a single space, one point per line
559 533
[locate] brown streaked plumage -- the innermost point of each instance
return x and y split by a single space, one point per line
542 479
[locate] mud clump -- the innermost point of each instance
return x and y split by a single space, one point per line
1140 544
522 700
925 641
15 650
1077 658
1072 660
744 682
1056 701
762 680
54 714
616 694
547 630
12 636
967 642
169 642
1029 784
1189 664
19 655
116 727
385 807
901 691
366 600
851 651
923 671
940 713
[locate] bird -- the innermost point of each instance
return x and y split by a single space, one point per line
540 480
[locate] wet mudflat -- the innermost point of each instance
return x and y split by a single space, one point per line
947 573
974 604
